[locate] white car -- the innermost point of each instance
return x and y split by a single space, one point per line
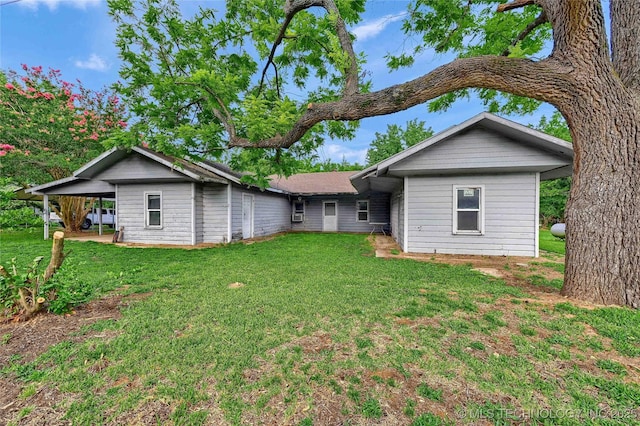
108 218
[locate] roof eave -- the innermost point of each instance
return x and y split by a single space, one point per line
36 189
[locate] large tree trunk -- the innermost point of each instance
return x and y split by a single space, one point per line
603 212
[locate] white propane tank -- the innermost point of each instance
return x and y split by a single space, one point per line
558 230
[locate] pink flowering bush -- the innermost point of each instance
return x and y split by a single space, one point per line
51 126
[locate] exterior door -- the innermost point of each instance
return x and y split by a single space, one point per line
247 216
330 216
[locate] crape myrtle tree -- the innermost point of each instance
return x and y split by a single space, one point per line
222 79
49 127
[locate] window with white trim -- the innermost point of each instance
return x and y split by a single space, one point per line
298 207
362 210
153 209
297 213
468 214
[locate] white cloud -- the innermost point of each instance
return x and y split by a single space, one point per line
94 62
371 29
53 4
339 152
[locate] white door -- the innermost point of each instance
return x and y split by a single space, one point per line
330 216
247 216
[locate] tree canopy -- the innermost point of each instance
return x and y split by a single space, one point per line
397 139
218 80
49 127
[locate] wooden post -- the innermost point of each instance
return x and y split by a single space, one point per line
57 255
100 216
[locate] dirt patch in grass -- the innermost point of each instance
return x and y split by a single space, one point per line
330 379
23 342
514 270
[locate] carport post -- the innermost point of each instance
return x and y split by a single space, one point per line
100 216
45 215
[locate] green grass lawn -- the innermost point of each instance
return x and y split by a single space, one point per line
315 330
550 243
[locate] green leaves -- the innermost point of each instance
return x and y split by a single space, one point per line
190 79
397 139
249 72
467 29
55 126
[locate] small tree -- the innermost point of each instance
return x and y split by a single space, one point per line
397 139
26 291
50 127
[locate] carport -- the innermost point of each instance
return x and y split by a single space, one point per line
74 187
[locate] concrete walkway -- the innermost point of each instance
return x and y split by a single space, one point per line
106 238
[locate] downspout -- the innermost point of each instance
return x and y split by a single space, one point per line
116 221
536 224
229 212
45 215
193 214
405 201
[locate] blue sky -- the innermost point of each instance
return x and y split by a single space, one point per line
77 37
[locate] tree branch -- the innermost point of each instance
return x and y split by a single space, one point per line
514 5
625 41
443 44
291 8
546 81
541 19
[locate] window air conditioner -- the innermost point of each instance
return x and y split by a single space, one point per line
297 217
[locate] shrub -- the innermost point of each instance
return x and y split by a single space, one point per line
29 291
13 213
21 290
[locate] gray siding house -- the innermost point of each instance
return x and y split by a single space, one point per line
328 202
164 200
472 189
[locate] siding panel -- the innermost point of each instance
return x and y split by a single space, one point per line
347 218
271 213
509 208
474 149
136 167
199 214
214 211
176 213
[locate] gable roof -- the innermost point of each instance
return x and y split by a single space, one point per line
186 168
518 133
189 170
320 183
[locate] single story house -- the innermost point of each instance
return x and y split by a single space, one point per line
165 200
471 189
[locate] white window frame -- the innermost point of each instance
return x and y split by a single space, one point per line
358 211
295 212
293 207
147 210
480 210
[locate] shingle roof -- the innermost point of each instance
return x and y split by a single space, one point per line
315 183
223 168
185 164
